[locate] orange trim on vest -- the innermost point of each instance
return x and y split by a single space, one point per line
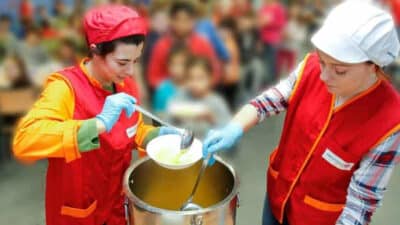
382 75
362 94
324 206
299 79
273 172
306 160
78 213
390 132
141 152
93 81
273 155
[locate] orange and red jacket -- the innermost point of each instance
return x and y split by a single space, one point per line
81 187
321 146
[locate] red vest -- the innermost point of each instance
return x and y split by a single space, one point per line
88 190
320 147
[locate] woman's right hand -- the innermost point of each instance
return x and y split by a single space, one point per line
113 107
221 139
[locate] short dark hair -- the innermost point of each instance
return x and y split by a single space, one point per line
228 23
177 48
105 48
32 29
185 6
23 80
67 41
5 18
200 61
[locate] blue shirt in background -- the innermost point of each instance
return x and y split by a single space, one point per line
207 29
163 94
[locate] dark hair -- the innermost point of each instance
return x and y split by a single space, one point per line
105 48
32 29
67 41
5 18
200 61
182 6
23 80
228 23
177 48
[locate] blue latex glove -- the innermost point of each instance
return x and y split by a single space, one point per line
113 107
168 130
221 139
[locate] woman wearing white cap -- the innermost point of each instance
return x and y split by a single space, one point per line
340 139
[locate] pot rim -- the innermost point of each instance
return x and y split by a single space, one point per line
140 203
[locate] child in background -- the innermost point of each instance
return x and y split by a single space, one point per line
197 106
33 51
251 69
158 26
182 23
205 26
295 36
14 74
176 71
8 40
272 22
231 70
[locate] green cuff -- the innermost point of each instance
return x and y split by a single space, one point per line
150 136
88 137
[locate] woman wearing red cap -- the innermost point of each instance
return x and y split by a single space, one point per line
85 123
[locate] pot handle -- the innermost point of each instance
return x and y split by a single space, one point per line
127 215
196 220
237 202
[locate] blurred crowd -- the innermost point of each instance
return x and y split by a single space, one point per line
202 58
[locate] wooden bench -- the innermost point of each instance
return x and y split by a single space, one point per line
13 104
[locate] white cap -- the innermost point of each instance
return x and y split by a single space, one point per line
356 31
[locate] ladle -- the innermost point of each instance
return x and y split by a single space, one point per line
187 136
189 205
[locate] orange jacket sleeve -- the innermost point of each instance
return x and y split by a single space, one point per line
143 134
48 129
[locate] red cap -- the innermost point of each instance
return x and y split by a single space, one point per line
110 22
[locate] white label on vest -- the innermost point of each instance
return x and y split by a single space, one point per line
336 161
131 131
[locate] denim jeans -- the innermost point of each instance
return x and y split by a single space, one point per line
268 218
270 63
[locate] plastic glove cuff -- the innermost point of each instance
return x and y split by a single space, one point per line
101 118
236 129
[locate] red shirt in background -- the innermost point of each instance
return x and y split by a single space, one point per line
395 6
26 10
274 15
157 68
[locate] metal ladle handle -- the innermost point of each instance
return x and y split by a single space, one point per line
202 169
152 116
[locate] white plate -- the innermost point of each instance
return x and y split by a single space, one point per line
165 151
187 109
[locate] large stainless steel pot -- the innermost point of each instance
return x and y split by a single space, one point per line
155 194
